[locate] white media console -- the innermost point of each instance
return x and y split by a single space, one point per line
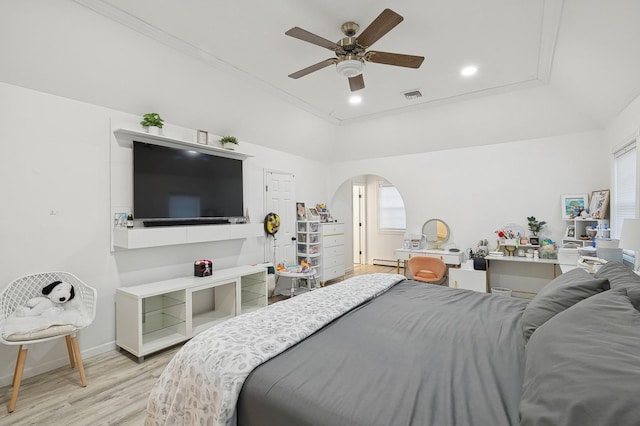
154 316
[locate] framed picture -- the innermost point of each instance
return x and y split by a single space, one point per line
534 241
312 213
202 137
571 232
120 220
300 211
572 203
599 204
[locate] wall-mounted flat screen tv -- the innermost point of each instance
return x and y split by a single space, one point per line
179 186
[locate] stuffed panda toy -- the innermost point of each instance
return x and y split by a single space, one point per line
54 295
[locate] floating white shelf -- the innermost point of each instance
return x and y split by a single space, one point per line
126 137
135 238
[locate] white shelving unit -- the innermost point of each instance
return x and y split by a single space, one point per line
154 316
253 292
309 244
579 228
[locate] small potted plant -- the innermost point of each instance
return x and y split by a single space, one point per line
535 226
152 122
228 142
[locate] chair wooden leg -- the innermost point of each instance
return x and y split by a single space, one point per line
76 351
17 377
72 359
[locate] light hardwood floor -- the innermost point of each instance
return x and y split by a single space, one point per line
116 392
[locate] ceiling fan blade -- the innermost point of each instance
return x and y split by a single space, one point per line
313 68
397 59
384 23
356 82
305 35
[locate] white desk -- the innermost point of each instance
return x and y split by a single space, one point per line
448 257
524 276
468 278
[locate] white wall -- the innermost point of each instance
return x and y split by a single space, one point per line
625 126
479 189
56 210
525 114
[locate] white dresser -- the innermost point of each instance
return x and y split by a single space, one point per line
332 263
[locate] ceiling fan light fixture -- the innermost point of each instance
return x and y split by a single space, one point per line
350 67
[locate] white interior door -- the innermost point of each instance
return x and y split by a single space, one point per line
279 198
358 223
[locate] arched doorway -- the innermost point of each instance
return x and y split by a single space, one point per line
375 220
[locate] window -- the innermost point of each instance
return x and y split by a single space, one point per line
623 202
624 187
391 213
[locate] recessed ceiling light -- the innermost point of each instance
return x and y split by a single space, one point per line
468 71
355 99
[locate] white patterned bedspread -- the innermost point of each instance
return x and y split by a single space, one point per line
202 382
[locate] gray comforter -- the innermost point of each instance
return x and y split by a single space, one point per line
417 355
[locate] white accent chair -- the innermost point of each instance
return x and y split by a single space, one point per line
16 295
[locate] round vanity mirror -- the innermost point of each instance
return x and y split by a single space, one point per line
436 233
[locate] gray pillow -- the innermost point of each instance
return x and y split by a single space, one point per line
582 366
560 294
618 275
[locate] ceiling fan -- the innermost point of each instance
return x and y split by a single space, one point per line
351 51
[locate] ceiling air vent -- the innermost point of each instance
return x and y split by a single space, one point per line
412 94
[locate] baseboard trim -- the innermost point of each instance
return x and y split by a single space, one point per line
385 262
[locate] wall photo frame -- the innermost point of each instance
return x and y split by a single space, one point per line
599 204
300 211
312 213
572 203
202 137
120 220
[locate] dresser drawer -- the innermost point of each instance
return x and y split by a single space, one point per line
333 251
332 240
331 273
332 228
333 261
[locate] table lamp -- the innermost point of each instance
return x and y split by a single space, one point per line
630 237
